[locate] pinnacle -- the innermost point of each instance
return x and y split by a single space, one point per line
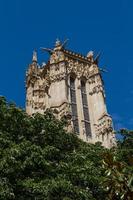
34 57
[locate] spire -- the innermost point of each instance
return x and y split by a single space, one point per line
34 57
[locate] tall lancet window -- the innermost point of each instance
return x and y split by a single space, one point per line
85 109
74 105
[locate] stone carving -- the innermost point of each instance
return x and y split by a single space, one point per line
104 125
96 85
46 83
91 80
38 105
56 57
80 69
63 110
32 75
93 70
58 77
96 89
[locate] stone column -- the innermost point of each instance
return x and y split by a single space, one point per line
91 111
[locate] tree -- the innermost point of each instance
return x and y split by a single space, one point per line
125 146
118 165
39 160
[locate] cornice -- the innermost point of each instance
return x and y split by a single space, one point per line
77 56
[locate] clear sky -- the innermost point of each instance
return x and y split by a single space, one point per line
105 26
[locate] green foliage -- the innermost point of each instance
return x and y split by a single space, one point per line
125 147
39 160
118 181
118 165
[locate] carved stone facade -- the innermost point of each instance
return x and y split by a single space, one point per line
71 85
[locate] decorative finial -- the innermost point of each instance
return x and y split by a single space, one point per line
34 58
90 54
57 43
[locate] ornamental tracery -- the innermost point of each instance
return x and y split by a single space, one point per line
80 69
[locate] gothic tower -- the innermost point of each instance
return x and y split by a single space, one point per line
71 85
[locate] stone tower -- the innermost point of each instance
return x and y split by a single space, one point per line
71 85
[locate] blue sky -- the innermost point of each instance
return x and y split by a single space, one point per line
105 26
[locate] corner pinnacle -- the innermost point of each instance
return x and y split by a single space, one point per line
34 57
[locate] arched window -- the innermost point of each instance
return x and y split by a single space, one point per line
85 109
74 105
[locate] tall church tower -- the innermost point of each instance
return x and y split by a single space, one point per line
71 85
